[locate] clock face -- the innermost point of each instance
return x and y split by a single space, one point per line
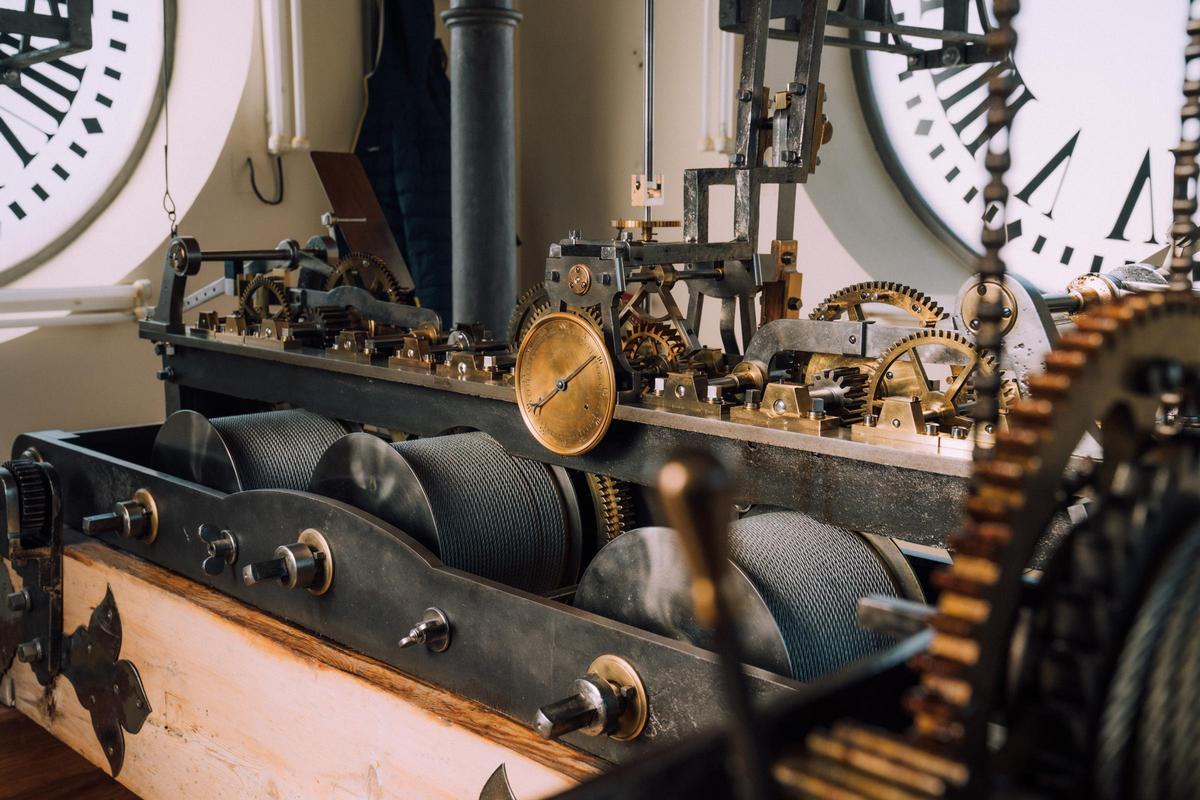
73 129
1097 105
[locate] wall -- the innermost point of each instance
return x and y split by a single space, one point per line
72 378
579 74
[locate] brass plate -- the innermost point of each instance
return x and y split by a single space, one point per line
617 670
566 386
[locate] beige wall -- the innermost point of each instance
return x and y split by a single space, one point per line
579 78
74 378
579 129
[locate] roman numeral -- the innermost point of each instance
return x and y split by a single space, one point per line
14 144
1142 184
1060 159
971 101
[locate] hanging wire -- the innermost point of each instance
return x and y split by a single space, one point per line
990 338
168 202
278 198
1184 205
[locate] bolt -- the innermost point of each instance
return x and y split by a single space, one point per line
818 408
975 324
989 428
606 279
853 339
19 602
870 420
160 348
981 290
554 276
660 386
740 159
30 652
680 392
798 88
779 406
1006 312
895 423
932 428
746 95
713 394
951 57
574 234
958 432
165 374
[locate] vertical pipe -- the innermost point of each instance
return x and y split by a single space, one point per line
648 96
483 199
706 140
279 97
300 127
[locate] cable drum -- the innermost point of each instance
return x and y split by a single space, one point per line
796 585
464 497
268 450
811 576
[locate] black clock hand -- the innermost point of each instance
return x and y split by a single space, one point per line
561 384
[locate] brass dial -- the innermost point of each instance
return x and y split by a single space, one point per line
566 386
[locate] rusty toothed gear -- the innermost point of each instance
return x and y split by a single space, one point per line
368 272
652 346
1123 366
532 305
263 297
613 504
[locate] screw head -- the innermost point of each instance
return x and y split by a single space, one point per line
779 406
895 423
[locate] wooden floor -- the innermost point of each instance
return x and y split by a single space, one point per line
33 764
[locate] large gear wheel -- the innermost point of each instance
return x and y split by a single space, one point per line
901 372
613 505
849 302
651 346
534 304
1093 673
370 273
263 297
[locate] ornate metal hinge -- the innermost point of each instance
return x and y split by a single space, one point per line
107 686
31 617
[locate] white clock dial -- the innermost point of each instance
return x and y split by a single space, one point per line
73 129
1097 113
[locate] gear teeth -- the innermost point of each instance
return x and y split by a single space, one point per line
923 308
33 494
614 504
936 336
274 288
369 269
535 304
665 342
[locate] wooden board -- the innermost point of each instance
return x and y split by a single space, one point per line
35 764
245 706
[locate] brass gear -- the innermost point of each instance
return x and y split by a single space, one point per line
368 272
259 295
894 376
613 505
534 304
850 390
964 674
653 346
848 302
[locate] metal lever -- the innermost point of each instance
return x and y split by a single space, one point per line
695 490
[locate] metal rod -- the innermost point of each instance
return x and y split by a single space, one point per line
648 98
122 297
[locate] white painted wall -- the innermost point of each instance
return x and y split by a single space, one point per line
579 129
73 378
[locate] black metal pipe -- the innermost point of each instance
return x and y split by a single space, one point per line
483 218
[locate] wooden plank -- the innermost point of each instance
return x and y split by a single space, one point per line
35 764
247 706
